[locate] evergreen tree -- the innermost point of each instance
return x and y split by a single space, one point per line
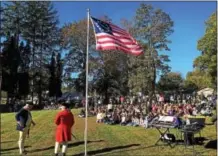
23 70
1 21
52 81
59 70
13 16
10 63
151 27
42 32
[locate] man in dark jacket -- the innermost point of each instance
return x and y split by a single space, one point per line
24 120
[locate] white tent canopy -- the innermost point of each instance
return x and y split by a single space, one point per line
206 91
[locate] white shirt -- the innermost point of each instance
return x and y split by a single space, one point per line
109 106
99 116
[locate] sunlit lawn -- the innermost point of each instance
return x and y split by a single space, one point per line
102 139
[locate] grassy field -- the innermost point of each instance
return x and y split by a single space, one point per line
102 139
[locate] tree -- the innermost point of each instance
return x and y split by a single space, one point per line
170 82
10 63
41 31
52 81
1 21
74 41
104 67
13 16
23 69
207 62
152 28
110 74
198 79
59 71
110 71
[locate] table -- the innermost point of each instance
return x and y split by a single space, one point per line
163 133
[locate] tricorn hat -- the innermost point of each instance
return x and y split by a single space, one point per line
64 104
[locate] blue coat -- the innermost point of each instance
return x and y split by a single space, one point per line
22 117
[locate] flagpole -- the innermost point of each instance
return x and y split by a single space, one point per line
87 68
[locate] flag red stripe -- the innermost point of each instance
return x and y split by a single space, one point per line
109 38
117 45
100 36
114 41
119 39
120 33
120 48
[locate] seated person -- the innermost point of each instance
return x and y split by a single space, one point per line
150 119
154 108
115 117
103 114
164 112
141 121
194 111
108 118
82 113
91 111
135 120
100 117
110 107
123 117
206 111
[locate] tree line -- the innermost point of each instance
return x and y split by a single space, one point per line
33 60
30 52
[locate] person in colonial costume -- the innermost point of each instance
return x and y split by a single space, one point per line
64 121
24 120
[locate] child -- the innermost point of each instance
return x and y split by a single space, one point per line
141 121
123 117
99 117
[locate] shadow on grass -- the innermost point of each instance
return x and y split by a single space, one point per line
200 140
108 149
209 124
197 141
211 144
135 149
69 145
14 148
8 141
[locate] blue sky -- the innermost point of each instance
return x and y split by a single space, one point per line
189 23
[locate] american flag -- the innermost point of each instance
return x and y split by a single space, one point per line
111 37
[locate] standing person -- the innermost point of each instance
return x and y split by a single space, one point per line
64 121
24 120
121 99
161 98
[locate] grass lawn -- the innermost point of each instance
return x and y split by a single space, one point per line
102 139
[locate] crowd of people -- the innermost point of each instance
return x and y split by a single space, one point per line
132 113
136 114
50 106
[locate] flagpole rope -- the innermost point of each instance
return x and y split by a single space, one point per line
87 67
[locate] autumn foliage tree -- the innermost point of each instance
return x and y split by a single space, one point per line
205 66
